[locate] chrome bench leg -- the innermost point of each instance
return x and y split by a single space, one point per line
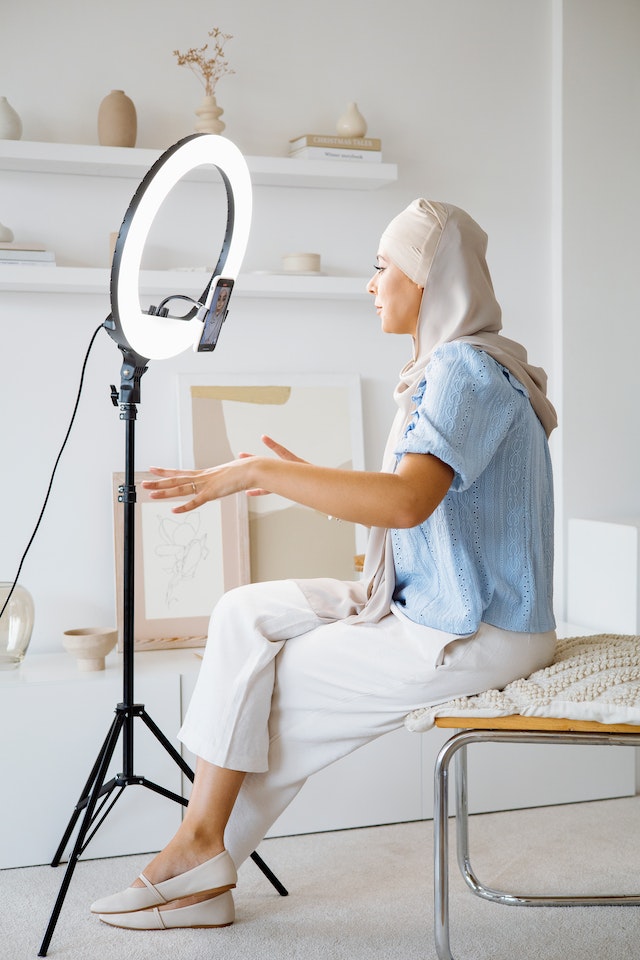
456 746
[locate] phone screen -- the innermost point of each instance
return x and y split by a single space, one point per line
216 315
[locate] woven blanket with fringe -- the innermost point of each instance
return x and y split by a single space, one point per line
591 678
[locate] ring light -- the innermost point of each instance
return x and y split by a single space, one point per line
143 335
152 334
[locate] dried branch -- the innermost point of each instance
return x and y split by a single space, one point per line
208 70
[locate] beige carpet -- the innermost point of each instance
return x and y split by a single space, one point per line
368 895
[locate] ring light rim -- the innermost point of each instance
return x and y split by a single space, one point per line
156 337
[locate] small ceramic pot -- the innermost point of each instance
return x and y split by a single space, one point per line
90 645
301 263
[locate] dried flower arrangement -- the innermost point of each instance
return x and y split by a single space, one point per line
208 70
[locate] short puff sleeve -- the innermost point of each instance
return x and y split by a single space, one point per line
464 408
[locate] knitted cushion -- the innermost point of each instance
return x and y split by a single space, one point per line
591 678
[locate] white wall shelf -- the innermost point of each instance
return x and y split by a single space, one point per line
34 279
131 162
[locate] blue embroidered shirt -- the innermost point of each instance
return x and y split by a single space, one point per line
486 552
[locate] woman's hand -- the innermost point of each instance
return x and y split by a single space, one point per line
281 452
214 482
200 485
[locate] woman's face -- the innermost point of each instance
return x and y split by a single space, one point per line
397 298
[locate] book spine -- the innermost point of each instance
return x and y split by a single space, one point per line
342 143
325 153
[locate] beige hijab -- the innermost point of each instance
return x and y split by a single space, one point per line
442 249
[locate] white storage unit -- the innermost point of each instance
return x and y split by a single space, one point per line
54 719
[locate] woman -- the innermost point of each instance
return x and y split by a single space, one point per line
456 594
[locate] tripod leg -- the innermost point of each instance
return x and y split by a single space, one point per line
166 743
100 767
82 802
269 874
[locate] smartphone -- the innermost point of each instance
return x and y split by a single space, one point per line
216 315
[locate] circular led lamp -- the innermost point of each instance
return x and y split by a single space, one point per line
149 335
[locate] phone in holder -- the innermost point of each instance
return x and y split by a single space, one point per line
216 315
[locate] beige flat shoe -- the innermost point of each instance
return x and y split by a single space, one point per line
213 876
217 912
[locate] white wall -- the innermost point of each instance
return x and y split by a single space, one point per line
460 91
601 187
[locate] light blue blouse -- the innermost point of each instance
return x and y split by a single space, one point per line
486 552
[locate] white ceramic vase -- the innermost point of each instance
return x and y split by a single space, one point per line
351 123
10 122
209 113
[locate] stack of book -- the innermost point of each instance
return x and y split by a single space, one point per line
318 146
17 254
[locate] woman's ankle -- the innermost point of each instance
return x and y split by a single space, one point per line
199 839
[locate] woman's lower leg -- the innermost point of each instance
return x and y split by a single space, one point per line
201 834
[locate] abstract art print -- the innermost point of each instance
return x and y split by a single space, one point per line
318 418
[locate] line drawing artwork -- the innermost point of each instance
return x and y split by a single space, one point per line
183 572
182 546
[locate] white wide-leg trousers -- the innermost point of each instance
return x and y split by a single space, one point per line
282 693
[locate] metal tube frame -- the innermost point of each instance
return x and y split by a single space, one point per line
456 747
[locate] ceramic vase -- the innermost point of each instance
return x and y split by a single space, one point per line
209 113
10 122
16 625
351 123
117 120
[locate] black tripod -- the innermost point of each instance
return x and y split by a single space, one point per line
99 795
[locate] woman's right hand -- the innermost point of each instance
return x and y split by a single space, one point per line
282 452
279 450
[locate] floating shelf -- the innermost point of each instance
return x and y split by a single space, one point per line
133 162
34 279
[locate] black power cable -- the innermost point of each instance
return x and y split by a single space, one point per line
53 473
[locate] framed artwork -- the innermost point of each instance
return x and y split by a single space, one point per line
317 417
183 565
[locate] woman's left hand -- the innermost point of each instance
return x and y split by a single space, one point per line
200 485
214 482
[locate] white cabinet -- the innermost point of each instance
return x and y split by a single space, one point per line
53 720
